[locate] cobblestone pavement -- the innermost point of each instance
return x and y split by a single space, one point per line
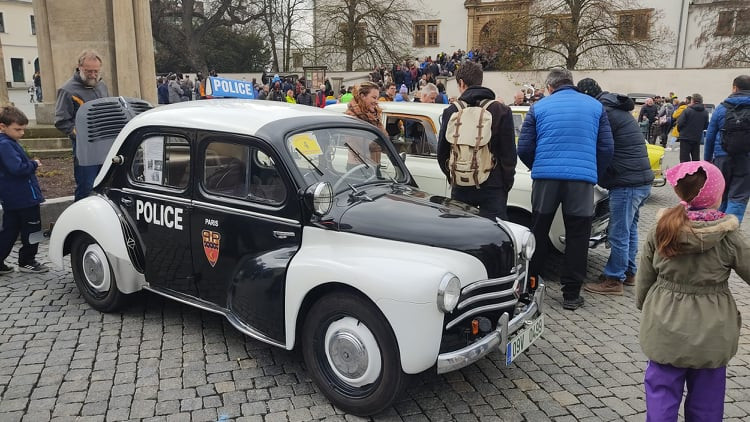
162 361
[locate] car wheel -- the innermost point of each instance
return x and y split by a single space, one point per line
93 275
352 354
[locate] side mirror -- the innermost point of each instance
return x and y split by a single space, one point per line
319 197
403 156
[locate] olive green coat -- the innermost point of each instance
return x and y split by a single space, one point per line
690 319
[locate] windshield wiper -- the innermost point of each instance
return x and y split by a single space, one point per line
359 157
309 161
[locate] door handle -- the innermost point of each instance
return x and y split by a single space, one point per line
282 235
126 201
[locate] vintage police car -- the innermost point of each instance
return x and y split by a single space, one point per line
414 127
303 228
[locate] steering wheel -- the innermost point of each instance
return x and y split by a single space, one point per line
349 173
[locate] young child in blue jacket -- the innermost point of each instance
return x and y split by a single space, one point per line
19 194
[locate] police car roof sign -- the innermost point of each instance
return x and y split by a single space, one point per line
229 88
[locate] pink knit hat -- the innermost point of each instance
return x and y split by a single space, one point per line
711 191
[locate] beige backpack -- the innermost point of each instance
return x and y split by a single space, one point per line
469 131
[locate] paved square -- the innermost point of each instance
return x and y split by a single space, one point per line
159 360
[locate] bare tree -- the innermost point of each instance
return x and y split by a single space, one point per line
595 33
370 31
724 32
283 22
182 25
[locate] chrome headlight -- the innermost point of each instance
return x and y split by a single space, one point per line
320 198
448 293
528 245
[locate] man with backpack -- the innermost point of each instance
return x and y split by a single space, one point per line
567 143
691 124
476 146
728 146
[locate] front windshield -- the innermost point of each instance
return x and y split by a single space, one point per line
343 157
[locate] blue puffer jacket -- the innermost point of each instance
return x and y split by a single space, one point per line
566 136
18 185
712 147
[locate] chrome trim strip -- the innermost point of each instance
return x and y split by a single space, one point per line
510 234
157 196
480 309
210 307
486 296
451 361
216 207
517 272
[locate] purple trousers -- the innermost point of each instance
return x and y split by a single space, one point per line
705 393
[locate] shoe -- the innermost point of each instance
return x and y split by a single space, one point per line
668 149
33 267
629 279
609 286
4 269
573 304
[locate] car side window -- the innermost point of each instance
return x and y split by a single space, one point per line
243 172
163 161
517 123
413 135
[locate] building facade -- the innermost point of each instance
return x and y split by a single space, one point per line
18 37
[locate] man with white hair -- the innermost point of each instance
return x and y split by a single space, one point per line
85 85
429 93
649 111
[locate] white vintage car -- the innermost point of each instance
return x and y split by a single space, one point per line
305 230
413 129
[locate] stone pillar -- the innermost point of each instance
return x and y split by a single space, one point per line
120 30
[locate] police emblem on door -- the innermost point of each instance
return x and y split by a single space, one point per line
211 244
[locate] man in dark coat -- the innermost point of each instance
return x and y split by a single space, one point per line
628 178
691 124
649 111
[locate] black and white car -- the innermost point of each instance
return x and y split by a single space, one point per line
303 228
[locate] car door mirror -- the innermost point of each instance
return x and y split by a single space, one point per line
403 156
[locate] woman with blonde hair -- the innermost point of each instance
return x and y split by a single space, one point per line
364 106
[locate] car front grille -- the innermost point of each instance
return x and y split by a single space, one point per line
488 298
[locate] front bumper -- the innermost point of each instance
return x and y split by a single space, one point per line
496 340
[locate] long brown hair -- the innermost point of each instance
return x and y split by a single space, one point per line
675 219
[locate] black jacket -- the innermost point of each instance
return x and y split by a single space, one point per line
630 166
649 111
502 143
692 122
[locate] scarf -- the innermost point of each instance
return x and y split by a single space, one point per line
370 116
708 214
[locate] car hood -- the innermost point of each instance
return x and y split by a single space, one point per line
400 213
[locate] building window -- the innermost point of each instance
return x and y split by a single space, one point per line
556 28
33 25
634 24
360 34
296 60
733 22
426 33
2 23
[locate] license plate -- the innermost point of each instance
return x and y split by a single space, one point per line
523 339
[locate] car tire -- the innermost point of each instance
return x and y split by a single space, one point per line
93 275
352 354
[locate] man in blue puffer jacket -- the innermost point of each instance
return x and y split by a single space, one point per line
567 143
736 169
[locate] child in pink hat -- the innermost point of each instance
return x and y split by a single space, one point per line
690 325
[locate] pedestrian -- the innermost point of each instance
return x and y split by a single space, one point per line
403 94
628 179
490 196
691 124
304 97
320 96
162 91
428 94
690 325
174 88
38 86
390 92
567 143
19 193
735 168
85 85
364 106
290 97
648 112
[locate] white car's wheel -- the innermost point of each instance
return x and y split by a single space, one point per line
352 354
93 275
